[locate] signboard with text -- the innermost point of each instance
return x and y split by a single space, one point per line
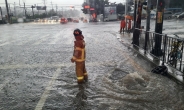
41 7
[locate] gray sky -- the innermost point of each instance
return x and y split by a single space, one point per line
59 2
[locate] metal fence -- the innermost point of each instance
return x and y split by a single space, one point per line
171 48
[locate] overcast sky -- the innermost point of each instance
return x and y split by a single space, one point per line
59 2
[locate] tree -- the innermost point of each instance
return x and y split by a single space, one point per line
120 8
106 2
176 4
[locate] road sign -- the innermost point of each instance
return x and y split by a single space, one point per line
86 6
41 7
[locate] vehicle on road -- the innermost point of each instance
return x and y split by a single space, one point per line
37 20
75 20
85 20
180 16
176 14
63 21
55 18
152 14
70 19
168 15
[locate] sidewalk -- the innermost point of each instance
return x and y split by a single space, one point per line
126 39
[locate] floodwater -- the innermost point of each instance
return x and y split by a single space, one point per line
36 72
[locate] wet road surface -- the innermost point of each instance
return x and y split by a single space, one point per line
36 72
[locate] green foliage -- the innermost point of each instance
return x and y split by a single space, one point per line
176 4
121 8
106 2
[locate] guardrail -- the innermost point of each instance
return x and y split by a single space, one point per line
172 48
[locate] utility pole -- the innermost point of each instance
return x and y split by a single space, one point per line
158 28
7 9
24 9
56 9
32 10
103 11
1 13
10 14
44 1
147 23
14 10
52 8
135 14
126 13
136 32
62 11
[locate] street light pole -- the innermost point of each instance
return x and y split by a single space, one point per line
135 14
136 32
125 14
1 13
14 9
32 10
158 28
7 9
52 9
62 11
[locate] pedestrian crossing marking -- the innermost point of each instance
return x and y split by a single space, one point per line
5 43
44 96
56 38
41 39
48 65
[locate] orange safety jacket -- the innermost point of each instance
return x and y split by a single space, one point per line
79 54
123 24
129 25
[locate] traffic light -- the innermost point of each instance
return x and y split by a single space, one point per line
85 11
162 4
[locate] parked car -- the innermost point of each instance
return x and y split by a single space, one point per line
180 16
69 19
168 15
63 21
75 20
152 14
176 14
37 20
85 20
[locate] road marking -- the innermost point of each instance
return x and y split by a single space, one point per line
47 90
29 38
40 65
40 40
5 43
56 38
13 41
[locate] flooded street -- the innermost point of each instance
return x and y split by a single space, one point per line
36 72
